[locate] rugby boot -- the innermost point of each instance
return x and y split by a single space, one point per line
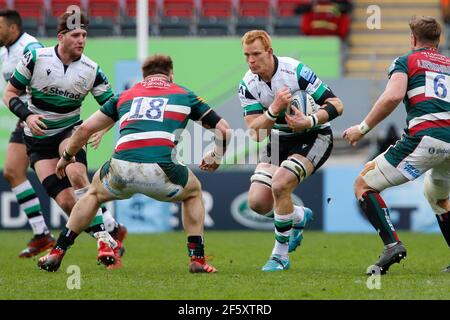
119 234
51 261
388 257
37 244
117 256
276 263
296 236
199 265
106 254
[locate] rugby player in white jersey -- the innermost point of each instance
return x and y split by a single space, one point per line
16 43
59 78
298 146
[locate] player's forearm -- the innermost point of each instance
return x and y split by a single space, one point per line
222 137
260 127
9 93
323 115
105 130
78 140
382 108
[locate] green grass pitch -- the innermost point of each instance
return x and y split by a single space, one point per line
326 266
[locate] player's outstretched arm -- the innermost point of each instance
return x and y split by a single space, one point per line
96 138
96 122
222 136
393 94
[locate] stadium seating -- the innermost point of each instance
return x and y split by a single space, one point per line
177 18
253 14
128 18
32 12
103 17
215 17
167 17
286 21
56 8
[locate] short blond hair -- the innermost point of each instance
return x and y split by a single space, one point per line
426 29
251 36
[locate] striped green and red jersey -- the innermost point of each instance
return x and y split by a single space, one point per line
427 100
150 115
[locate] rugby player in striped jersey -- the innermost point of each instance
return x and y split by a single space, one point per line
150 115
421 78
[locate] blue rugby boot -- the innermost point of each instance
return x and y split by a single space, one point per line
276 263
296 236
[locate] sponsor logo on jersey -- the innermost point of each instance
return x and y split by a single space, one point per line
242 90
307 74
287 71
82 83
433 150
27 58
312 88
411 170
88 65
64 93
433 66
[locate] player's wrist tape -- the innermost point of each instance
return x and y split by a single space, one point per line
220 147
363 128
331 110
19 108
67 156
270 114
313 120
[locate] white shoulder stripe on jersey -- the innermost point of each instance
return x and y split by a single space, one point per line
124 118
415 92
146 135
429 117
178 108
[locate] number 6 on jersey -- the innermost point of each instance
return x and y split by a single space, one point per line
437 86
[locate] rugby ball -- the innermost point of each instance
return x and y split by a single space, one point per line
303 102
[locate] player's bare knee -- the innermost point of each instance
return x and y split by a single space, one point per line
444 204
194 187
437 193
280 188
66 201
77 176
359 186
258 205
